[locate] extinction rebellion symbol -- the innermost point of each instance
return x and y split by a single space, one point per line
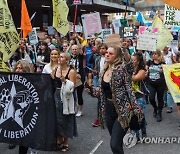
19 102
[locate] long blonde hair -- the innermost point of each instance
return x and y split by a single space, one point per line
160 55
118 60
51 63
25 66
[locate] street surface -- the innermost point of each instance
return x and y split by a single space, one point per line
93 140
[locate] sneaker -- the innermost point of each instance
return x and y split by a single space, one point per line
79 114
32 151
169 110
95 123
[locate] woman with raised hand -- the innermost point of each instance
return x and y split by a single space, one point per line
65 78
116 95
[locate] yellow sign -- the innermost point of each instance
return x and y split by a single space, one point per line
60 13
164 36
4 67
9 38
172 77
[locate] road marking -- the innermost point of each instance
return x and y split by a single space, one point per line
96 147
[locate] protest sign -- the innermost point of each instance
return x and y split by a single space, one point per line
147 38
171 16
51 30
129 32
78 28
116 24
105 33
113 39
91 24
33 39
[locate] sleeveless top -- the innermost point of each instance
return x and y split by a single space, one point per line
106 88
57 80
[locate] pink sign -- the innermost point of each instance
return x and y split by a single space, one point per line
91 24
143 29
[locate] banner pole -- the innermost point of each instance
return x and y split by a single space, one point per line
75 16
125 18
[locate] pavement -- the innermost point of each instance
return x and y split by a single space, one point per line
93 140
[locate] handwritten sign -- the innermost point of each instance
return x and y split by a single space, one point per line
147 38
91 24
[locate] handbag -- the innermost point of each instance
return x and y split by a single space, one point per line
134 124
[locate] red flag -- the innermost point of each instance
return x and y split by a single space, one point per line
25 20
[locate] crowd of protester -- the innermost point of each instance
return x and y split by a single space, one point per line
113 74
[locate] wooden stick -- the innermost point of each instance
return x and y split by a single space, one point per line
75 16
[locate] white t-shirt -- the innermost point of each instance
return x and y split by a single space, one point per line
102 61
47 69
167 58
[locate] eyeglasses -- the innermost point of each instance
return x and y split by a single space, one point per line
102 48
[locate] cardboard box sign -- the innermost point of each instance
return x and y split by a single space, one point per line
113 39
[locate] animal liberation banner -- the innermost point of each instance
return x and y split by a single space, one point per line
147 38
91 24
27 110
171 16
172 77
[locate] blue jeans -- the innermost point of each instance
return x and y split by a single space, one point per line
170 100
115 130
142 103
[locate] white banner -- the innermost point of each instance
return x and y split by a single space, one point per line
91 24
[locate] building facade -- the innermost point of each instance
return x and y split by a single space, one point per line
43 9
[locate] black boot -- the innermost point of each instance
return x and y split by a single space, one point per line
155 113
159 116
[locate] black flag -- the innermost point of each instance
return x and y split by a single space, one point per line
27 110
